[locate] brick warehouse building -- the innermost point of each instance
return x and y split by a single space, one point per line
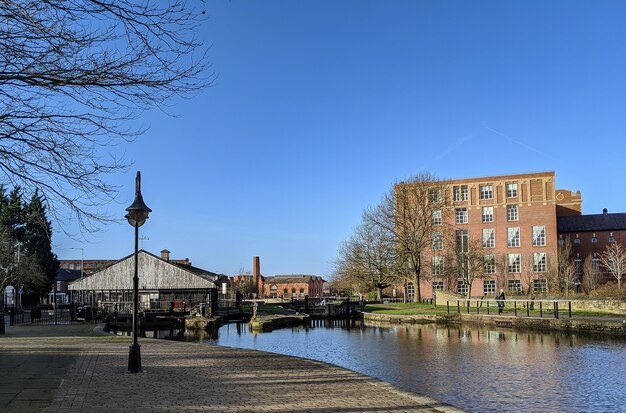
589 236
515 219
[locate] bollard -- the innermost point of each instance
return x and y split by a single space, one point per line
487 307
477 308
515 307
448 306
2 323
527 309
468 306
458 306
556 309
569 306
541 309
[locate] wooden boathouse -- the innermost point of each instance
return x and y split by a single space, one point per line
163 285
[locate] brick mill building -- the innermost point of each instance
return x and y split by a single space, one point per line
294 286
514 217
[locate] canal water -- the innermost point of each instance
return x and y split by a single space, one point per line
474 368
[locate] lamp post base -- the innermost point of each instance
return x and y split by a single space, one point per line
134 358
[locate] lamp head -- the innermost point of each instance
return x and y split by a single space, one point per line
138 211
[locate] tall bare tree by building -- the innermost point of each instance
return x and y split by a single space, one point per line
613 258
562 274
73 73
591 273
369 256
413 214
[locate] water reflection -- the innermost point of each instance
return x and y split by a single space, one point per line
474 368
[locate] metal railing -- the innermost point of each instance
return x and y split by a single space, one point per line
530 308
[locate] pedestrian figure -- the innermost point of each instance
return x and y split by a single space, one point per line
500 300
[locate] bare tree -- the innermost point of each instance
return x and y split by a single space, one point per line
614 260
591 274
467 262
412 212
72 74
562 274
369 256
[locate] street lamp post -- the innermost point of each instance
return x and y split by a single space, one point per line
137 215
82 259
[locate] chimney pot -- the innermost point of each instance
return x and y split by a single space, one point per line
605 211
165 255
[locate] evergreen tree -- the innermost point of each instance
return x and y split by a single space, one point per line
38 246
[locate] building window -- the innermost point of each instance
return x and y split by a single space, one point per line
488 214
301 292
437 217
595 265
515 286
461 287
285 293
438 285
460 193
578 266
515 263
486 191
461 215
437 240
489 286
594 240
490 264
540 286
293 292
434 195
489 238
539 236
511 190
611 239
437 263
512 213
539 262
577 241
512 238
410 291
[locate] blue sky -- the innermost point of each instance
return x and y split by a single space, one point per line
320 106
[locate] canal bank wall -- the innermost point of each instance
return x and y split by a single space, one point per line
592 325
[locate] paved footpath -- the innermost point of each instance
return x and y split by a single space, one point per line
73 369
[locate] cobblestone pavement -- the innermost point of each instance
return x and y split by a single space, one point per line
68 369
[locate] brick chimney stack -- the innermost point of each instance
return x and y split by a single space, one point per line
165 255
256 274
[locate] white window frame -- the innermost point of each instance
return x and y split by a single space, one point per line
461 287
513 237
437 217
460 193
540 262
514 263
489 238
578 266
489 286
434 195
512 212
511 190
487 214
490 264
437 240
515 286
486 191
438 286
438 265
461 215
539 236
540 285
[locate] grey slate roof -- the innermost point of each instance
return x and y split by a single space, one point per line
64 274
594 222
293 278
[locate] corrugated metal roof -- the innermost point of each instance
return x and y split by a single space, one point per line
594 222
